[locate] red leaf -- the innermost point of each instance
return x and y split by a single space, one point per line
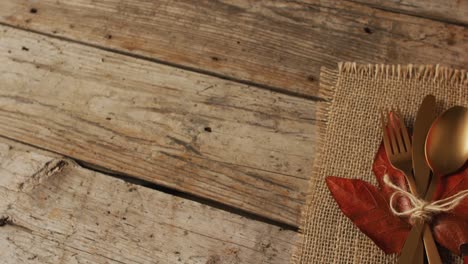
454 184
369 210
451 231
381 167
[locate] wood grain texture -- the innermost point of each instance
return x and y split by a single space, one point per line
53 211
451 11
281 44
229 142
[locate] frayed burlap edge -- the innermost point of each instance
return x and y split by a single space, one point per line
435 73
329 78
328 81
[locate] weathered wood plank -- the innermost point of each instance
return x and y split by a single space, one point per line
452 11
277 43
218 139
54 211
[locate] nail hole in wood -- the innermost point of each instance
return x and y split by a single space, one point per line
24 48
368 30
214 58
33 10
451 39
208 129
5 220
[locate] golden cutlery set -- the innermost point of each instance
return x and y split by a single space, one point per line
438 147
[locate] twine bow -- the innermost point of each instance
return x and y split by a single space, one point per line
422 209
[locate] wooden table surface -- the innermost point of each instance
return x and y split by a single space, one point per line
151 131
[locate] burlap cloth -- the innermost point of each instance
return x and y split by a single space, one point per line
348 142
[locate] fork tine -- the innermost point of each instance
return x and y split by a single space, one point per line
391 132
386 139
398 128
404 131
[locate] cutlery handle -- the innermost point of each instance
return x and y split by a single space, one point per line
420 254
433 256
432 252
411 244
412 251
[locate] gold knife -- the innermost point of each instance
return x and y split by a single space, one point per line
424 118
421 171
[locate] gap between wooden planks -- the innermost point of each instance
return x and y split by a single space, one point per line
275 44
239 145
54 211
449 11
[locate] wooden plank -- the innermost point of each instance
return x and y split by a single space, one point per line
236 144
281 44
54 211
451 11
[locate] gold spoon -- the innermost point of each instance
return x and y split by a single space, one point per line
446 151
447 142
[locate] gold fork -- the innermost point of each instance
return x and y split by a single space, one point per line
398 147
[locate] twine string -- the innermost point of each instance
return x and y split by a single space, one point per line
422 209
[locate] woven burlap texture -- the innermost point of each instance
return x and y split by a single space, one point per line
349 140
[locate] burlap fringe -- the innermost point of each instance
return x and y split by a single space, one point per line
433 73
328 81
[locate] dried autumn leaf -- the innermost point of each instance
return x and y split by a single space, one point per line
369 210
451 229
382 167
454 184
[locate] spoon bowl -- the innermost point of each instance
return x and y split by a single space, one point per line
447 141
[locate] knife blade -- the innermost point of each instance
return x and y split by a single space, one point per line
424 118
